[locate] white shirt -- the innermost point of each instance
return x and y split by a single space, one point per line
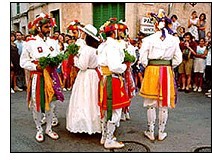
19 45
81 43
110 54
154 48
35 49
175 25
87 58
208 58
201 50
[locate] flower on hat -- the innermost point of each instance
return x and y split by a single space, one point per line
104 25
113 20
30 25
122 25
109 25
73 25
161 13
53 22
110 28
44 18
162 21
31 28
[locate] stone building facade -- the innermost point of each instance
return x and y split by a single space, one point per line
84 12
19 17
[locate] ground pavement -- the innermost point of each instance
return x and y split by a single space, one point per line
188 127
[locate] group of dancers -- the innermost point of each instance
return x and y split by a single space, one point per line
104 86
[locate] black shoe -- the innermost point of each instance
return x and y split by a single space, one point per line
187 91
181 90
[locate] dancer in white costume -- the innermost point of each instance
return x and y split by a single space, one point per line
160 52
113 96
44 84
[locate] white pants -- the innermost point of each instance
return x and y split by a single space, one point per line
37 116
116 116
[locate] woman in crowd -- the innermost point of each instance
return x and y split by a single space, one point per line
14 65
202 25
199 65
193 25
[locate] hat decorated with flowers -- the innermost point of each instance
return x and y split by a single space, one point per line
109 25
74 25
39 21
162 21
122 26
90 30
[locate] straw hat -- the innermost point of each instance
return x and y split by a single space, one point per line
90 30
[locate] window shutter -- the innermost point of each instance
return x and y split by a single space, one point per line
103 11
56 15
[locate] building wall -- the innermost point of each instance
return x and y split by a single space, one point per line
131 18
20 20
84 13
13 10
134 12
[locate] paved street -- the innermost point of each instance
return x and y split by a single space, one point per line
189 127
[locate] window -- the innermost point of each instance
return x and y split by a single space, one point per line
23 29
103 11
56 14
18 8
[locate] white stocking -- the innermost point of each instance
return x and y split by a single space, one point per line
37 119
162 117
151 116
49 117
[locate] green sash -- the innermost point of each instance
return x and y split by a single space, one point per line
42 95
109 97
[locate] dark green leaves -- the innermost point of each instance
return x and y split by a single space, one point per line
128 57
72 49
51 61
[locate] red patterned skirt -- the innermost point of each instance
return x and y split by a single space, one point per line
113 90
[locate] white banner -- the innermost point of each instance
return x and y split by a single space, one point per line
146 21
147 29
146 26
